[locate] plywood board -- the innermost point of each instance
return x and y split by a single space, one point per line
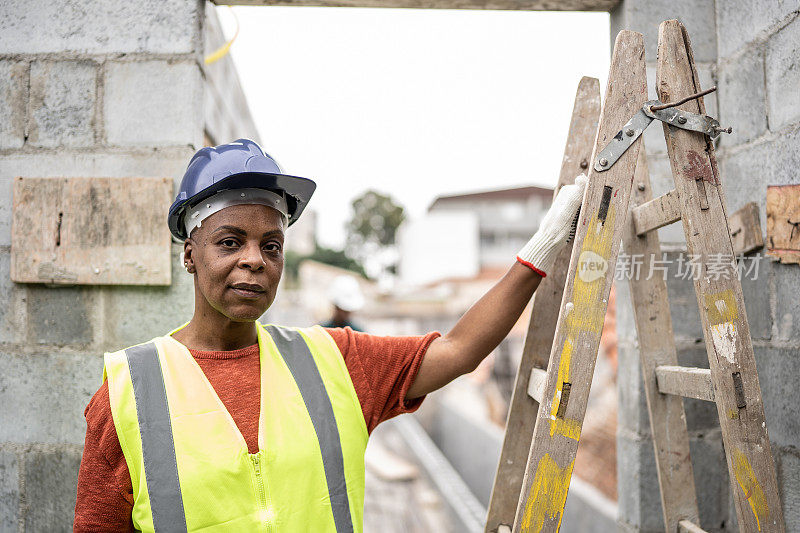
91 231
783 222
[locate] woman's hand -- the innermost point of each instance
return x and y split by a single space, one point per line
490 319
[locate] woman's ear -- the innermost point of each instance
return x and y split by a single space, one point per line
188 262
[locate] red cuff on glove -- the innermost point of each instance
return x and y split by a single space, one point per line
530 265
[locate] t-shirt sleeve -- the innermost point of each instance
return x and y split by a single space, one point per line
382 369
105 495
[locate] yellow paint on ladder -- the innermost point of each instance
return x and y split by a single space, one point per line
549 490
587 313
750 486
548 493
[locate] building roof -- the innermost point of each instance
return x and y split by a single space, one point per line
514 193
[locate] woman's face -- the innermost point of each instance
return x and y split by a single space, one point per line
237 258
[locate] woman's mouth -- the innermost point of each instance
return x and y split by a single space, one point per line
246 290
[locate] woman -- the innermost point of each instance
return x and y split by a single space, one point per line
227 425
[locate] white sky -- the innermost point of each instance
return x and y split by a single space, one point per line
414 103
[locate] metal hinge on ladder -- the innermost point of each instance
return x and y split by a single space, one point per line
657 110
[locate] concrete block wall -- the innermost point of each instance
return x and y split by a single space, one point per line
107 88
751 50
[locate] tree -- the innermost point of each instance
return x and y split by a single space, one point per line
372 230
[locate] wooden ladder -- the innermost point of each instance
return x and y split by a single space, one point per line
556 398
731 381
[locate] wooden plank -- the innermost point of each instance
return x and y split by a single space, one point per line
517 5
685 526
91 231
783 222
746 229
684 381
656 213
727 333
657 347
583 308
536 384
542 326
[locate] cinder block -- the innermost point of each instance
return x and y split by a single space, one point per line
51 478
742 97
756 270
60 315
787 310
631 401
743 21
13 311
639 497
777 372
137 314
44 395
626 325
9 491
170 162
62 103
783 76
789 483
42 26
165 108
13 102
710 480
645 15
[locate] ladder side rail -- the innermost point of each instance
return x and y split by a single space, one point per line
657 347
730 352
580 320
541 328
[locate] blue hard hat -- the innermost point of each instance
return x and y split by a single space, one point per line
241 164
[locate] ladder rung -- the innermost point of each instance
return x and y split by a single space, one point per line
685 526
656 213
536 384
685 381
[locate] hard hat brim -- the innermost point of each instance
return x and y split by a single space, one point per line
298 193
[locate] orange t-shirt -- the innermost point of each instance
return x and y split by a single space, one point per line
382 370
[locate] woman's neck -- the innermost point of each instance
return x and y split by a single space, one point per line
215 332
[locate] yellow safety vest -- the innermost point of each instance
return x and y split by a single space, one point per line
189 464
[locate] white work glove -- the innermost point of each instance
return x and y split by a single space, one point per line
541 251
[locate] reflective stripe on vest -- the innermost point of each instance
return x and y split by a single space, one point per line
301 364
158 448
308 474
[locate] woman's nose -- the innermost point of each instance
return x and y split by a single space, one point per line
251 257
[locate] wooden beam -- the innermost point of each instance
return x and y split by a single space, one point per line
685 381
685 526
511 5
583 308
751 468
656 347
536 384
656 213
746 229
542 325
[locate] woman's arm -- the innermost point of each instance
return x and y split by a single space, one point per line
490 319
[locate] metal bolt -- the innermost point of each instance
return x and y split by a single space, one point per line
640 186
629 132
584 164
681 120
96 270
603 162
